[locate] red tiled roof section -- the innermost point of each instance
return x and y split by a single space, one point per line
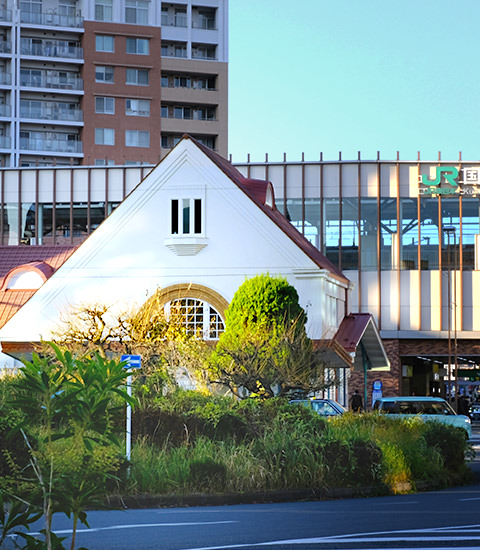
257 193
351 330
46 259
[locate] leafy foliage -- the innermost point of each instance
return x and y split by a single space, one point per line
68 404
265 349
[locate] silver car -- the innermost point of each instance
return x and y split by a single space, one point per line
426 408
324 407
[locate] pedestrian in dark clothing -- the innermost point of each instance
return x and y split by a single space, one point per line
356 403
463 406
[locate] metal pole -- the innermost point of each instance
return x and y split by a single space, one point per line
128 434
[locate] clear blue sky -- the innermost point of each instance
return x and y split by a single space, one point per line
354 75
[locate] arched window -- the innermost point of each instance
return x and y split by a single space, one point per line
199 317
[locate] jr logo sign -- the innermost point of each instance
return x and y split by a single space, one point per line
448 181
443 173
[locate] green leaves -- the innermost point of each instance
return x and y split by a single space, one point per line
69 404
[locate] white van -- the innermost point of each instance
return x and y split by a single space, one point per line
427 408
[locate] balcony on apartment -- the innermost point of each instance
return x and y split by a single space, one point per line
54 144
5 78
5 47
191 88
51 19
5 17
59 49
60 112
65 81
5 142
5 110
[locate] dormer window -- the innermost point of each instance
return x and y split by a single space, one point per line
186 216
187 226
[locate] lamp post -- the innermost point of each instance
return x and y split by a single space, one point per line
452 231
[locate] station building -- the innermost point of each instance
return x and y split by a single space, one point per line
405 233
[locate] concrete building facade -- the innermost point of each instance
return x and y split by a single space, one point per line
100 82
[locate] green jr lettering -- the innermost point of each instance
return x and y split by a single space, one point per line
449 173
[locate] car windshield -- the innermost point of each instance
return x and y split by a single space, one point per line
417 407
325 408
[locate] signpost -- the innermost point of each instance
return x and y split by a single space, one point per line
133 362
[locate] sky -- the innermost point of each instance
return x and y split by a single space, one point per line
346 76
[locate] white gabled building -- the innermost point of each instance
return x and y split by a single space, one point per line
195 228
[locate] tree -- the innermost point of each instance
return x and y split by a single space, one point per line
69 404
162 340
265 349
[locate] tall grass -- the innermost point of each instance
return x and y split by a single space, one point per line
284 448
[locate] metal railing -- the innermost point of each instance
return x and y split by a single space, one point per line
5 79
51 19
51 112
5 110
54 145
49 81
57 48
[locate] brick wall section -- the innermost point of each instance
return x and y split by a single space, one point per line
391 381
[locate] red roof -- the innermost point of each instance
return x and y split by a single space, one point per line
43 259
257 191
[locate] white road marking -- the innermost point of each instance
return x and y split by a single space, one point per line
436 534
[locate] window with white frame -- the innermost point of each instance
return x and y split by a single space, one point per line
138 46
136 12
199 318
103 10
105 105
186 216
137 138
104 43
104 162
104 136
104 74
137 77
137 107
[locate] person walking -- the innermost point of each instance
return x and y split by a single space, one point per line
356 403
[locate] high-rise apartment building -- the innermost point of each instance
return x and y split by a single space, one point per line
97 82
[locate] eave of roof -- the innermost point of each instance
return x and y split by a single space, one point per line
357 331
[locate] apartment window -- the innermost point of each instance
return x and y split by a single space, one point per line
137 138
137 107
104 43
164 111
186 216
103 10
139 46
104 162
105 105
164 142
136 12
182 82
164 81
138 77
104 136
104 74
182 112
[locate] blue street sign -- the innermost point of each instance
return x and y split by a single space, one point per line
134 361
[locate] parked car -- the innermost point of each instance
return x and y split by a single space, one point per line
324 407
427 408
475 411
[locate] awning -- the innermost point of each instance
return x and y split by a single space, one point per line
358 335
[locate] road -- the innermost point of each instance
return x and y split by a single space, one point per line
439 519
